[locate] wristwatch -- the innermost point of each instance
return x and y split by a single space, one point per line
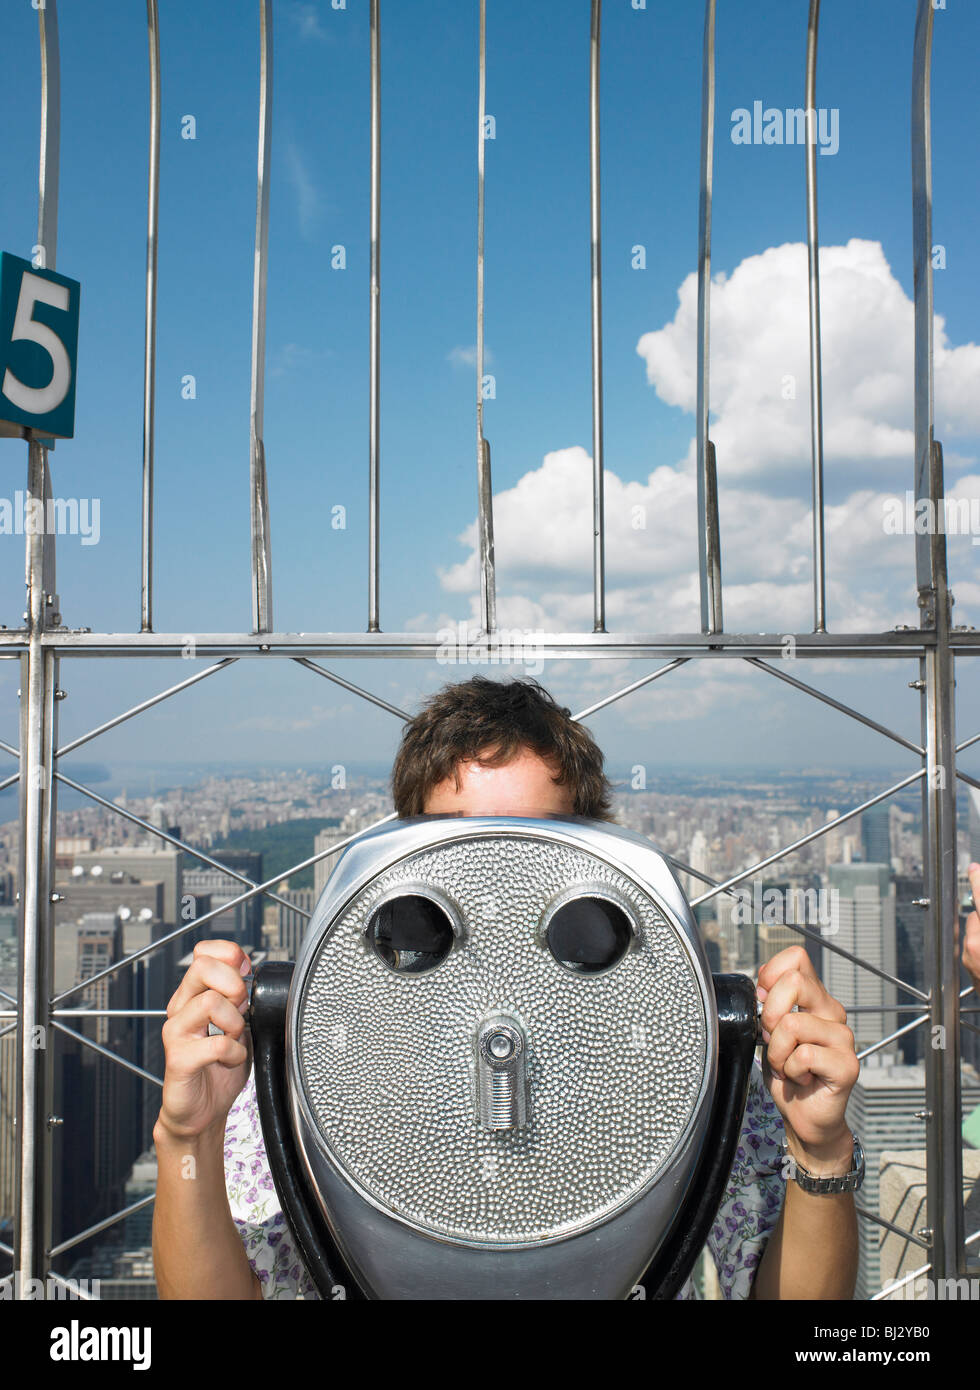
848 1182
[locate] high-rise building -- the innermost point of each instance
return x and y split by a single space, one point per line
862 910
100 1103
973 823
911 924
291 923
142 864
839 844
241 922
876 840
323 868
882 1113
82 895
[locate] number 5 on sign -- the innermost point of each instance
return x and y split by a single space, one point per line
38 349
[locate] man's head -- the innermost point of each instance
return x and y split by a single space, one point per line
504 747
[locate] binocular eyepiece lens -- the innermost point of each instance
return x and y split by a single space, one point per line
588 935
411 933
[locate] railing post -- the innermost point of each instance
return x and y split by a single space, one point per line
944 1159
39 674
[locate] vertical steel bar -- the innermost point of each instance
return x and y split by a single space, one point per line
944 1163
261 537
149 350
37 741
923 290
944 1157
47 193
488 590
709 548
374 425
816 370
598 520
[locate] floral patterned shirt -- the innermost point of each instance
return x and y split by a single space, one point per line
746 1217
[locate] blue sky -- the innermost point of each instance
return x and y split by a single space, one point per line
537 331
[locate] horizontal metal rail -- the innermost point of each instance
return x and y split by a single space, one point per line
498 648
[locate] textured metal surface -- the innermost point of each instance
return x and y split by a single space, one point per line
615 1063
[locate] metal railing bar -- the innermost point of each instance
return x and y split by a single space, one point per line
50 158
105 1052
899 1032
628 689
709 557
144 705
899 1284
885 1008
836 950
108 1013
810 836
816 374
829 945
261 537
94 1013
10 998
970 1026
348 685
836 704
559 646
595 208
9 781
924 1269
922 274
7 1250
101 1226
173 840
967 743
374 406
79 1292
32 1197
149 350
488 589
964 777
216 912
9 748
10 1027
889 1226
82 641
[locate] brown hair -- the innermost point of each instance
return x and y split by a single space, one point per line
495 720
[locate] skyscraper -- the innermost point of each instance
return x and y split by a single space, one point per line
973 823
862 909
882 1113
329 835
876 840
910 938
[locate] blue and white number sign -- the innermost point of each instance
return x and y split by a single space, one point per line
38 348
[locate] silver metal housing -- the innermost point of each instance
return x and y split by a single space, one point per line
424 1198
